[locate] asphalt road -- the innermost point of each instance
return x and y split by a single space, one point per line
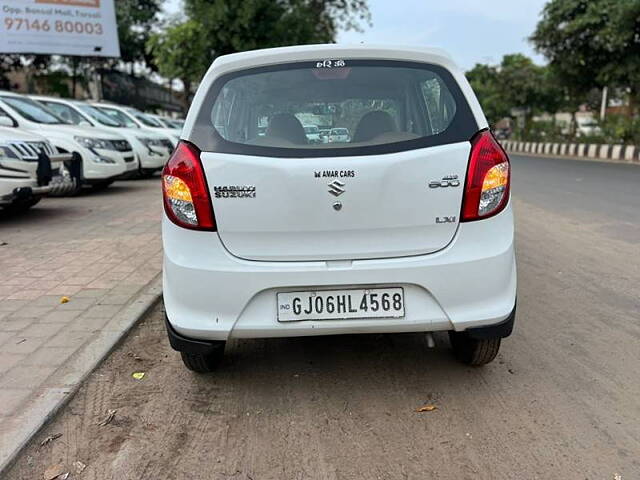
560 402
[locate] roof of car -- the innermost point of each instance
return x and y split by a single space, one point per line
7 93
334 51
53 99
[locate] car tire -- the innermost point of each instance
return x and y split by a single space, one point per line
146 172
103 185
204 363
474 351
21 206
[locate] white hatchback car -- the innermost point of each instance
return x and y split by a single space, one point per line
407 227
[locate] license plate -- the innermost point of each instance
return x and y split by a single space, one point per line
341 304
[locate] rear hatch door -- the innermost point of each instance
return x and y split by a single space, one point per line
398 204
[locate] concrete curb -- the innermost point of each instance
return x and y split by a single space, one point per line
69 378
576 151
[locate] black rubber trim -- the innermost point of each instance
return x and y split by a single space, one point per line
189 345
498 330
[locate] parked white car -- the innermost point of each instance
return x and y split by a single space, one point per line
30 168
313 133
587 126
406 228
172 123
339 135
105 156
152 150
130 117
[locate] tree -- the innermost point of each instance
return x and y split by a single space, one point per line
524 84
517 83
136 19
485 81
219 27
592 44
233 25
181 52
30 64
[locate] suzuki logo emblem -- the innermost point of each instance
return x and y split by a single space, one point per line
336 188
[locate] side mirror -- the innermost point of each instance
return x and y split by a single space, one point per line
6 121
84 123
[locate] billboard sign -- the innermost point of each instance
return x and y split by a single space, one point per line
61 27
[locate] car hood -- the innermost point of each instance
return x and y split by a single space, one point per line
167 131
8 134
79 131
130 133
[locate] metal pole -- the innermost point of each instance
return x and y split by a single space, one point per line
603 105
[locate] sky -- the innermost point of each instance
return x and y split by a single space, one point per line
471 31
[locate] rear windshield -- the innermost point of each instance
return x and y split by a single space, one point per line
357 107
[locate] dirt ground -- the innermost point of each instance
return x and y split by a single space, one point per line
339 408
561 402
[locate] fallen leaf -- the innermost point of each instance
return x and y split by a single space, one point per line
55 472
79 466
427 408
50 439
21 341
64 300
108 419
138 375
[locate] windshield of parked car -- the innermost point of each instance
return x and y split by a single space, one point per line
98 116
32 110
363 103
167 122
119 117
144 119
65 112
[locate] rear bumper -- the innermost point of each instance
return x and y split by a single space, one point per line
211 295
181 343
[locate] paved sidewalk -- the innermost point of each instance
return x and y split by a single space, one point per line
102 251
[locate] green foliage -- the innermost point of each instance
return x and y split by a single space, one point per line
234 26
56 83
516 83
591 44
136 19
180 52
543 131
219 27
485 81
621 129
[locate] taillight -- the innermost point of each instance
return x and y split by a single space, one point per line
488 177
184 190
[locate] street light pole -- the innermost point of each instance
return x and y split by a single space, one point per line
603 105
